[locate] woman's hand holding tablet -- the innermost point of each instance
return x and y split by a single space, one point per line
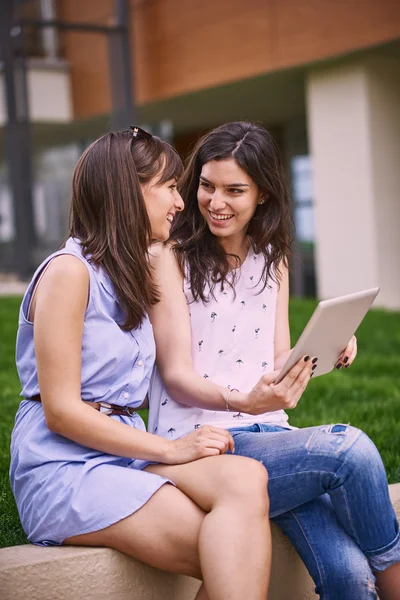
329 330
268 395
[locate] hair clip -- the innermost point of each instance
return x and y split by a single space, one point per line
138 132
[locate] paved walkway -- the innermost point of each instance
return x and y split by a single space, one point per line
12 288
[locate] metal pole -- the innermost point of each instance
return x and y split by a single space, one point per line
18 140
49 34
120 68
17 129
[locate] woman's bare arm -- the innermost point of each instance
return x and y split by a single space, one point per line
58 312
171 324
282 331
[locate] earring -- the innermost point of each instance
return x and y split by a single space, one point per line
261 202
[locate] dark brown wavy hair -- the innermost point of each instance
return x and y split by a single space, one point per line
270 230
108 213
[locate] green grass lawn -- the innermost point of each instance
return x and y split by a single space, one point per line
367 395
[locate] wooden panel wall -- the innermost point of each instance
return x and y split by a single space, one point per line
186 45
308 30
182 46
87 54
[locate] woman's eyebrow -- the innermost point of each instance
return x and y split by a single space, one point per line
226 185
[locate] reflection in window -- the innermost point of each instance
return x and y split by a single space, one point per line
52 192
303 193
7 229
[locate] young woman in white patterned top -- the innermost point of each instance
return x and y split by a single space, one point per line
222 333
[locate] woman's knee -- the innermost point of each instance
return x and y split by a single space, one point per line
364 454
358 456
345 443
246 480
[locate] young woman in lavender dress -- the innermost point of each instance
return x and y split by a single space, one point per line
83 469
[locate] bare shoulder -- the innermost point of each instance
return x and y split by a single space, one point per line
282 275
64 283
67 269
160 249
155 252
161 255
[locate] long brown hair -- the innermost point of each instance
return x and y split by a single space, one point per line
108 213
270 230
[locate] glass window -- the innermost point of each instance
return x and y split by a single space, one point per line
303 193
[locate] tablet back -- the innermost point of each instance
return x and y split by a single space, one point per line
330 329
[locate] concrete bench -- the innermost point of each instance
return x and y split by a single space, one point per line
76 573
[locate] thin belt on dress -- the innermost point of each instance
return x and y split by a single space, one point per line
103 407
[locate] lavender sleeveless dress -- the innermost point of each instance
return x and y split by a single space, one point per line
61 488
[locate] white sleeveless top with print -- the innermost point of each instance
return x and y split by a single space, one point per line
232 345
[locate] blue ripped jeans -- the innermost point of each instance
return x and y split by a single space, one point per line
329 494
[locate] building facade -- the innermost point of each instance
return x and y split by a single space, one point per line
323 75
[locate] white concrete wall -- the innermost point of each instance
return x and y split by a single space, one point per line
384 93
49 93
354 130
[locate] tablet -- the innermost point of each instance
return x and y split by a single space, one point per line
329 330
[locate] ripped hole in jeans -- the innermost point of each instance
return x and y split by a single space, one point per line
339 428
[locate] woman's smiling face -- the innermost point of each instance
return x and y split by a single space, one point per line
227 198
162 202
